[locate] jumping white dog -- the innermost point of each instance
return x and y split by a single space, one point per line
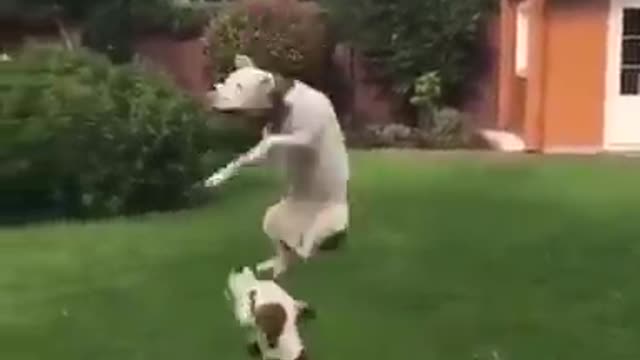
302 134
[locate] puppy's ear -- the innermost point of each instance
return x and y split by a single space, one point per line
270 319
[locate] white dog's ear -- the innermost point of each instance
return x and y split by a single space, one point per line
243 61
268 81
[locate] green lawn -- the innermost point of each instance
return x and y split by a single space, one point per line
450 257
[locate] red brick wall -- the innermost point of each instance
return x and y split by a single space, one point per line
184 60
367 102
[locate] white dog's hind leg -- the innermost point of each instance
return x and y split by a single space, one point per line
331 220
274 226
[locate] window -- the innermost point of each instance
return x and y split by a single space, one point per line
522 38
630 67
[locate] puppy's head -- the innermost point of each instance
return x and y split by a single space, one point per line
240 279
239 284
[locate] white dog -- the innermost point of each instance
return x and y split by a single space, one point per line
271 314
302 134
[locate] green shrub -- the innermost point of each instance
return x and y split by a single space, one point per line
95 139
444 127
448 129
286 36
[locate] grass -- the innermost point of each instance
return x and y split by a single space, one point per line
450 257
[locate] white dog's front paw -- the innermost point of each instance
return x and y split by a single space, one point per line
265 265
216 179
304 249
257 154
275 266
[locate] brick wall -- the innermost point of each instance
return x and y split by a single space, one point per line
184 60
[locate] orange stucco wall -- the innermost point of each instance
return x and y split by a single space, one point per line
574 73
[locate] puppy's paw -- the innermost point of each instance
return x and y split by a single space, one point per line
305 311
271 269
266 270
253 349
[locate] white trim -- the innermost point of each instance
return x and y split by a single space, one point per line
612 76
580 150
611 70
522 38
623 147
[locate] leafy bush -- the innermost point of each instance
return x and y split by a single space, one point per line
287 36
95 139
447 129
407 38
426 96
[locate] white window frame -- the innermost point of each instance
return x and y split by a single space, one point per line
522 37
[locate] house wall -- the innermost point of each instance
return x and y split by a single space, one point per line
574 75
516 123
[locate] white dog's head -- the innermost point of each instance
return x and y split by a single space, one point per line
246 89
253 92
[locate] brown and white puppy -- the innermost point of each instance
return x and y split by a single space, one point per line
270 313
303 137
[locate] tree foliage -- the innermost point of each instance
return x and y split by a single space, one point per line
287 36
410 38
110 26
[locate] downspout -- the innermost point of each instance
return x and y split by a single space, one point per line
507 75
534 113
539 117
